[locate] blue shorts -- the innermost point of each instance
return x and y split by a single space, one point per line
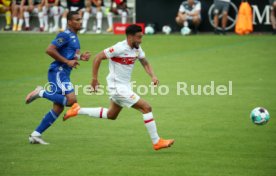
59 81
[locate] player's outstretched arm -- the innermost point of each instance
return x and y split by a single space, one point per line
149 70
53 52
95 69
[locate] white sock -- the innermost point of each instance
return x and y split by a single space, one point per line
40 94
124 17
109 19
20 23
45 16
185 24
56 17
151 127
40 19
99 17
14 19
85 19
63 23
35 133
27 19
94 112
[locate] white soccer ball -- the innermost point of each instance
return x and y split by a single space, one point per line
166 29
259 116
185 31
149 30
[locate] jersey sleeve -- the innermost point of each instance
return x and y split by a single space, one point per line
141 54
198 6
181 9
61 40
112 51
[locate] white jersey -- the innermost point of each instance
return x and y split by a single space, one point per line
121 62
186 8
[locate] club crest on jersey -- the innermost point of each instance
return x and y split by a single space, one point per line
60 40
111 50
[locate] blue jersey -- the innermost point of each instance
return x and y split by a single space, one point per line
68 46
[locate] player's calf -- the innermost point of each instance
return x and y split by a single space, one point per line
112 115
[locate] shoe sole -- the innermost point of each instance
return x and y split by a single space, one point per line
169 145
32 140
31 96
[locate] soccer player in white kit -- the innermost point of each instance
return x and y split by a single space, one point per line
122 57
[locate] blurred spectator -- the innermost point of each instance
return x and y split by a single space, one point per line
221 7
27 8
189 14
5 7
52 8
96 7
38 10
17 15
117 7
72 5
273 15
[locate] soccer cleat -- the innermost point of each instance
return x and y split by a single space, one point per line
46 28
14 27
163 143
33 95
37 140
110 29
7 28
19 28
72 112
223 32
216 31
41 29
27 29
98 31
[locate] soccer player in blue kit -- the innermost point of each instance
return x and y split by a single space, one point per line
65 50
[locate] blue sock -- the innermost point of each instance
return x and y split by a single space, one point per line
56 98
47 121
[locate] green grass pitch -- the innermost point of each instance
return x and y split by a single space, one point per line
214 135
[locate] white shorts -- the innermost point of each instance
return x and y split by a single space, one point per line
123 96
95 10
50 11
60 10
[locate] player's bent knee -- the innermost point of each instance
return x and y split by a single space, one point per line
179 21
58 109
147 109
71 101
112 116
